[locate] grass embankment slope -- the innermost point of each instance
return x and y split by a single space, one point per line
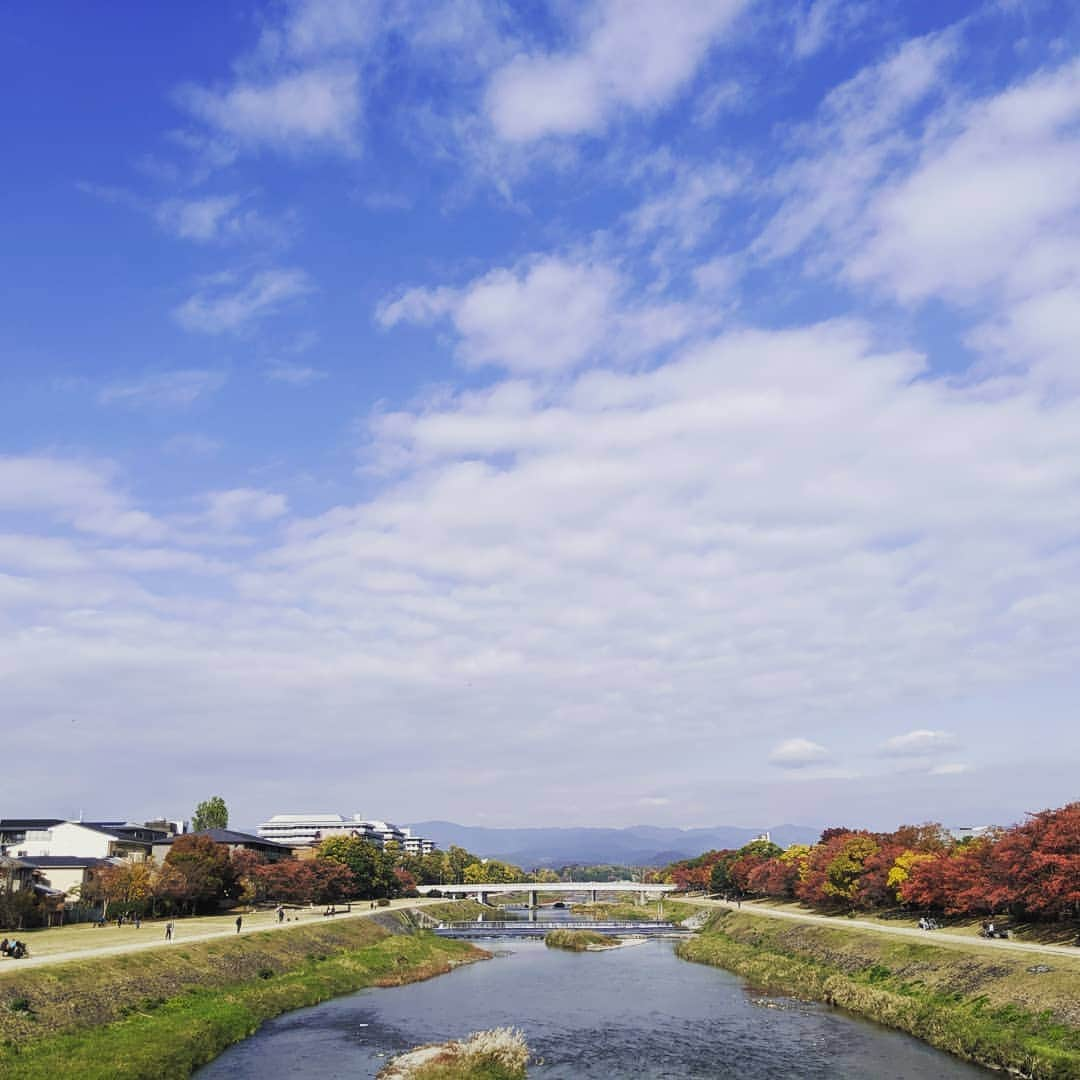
161 1013
1005 1010
670 911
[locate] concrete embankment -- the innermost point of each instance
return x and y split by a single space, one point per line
1004 1010
163 1012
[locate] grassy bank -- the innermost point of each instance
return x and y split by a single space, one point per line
1002 1010
456 911
164 1012
671 910
578 940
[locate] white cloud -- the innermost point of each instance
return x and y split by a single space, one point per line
229 306
317 107
990 188
918 743
634 54
654 800
294 374
953 768
690 206
83 495
859 131
798 753
165 389
772 529
315 27
547 315
197 219
242 506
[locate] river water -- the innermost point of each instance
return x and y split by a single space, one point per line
637 1012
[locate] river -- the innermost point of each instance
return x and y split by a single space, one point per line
637 1012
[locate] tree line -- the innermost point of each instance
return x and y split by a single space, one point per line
199 875
1028 870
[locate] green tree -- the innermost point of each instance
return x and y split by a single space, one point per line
372 868
211 813
457 859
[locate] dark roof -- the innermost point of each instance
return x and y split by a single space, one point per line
230 836
44 862
125 830
11 824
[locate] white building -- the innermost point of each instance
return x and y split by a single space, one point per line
91 840
307 830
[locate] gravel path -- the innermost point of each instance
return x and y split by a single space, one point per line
188 931
927 936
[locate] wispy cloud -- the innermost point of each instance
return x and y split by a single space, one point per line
634 55
918 743
954 768
231 306
294 374
164 389
192 444
315 108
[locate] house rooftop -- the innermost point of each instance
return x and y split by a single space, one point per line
231 836
57 862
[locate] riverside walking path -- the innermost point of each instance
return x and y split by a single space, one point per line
81 941
947 938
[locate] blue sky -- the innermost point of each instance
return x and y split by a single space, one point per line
448 409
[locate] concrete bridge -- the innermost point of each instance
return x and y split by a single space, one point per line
593 889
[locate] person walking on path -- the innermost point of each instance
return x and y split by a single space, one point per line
168 931
239 922
281 913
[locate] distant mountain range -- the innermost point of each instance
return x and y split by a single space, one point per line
638 845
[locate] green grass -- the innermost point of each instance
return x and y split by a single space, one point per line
670 910
170 1033
577 940
987 1009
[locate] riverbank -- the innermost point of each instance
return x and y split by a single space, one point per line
162 1013
626 911
1000 1010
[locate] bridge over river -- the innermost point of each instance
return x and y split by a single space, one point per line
592 889
523 928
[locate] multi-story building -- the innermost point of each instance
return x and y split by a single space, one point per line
91 839
308 830
417 845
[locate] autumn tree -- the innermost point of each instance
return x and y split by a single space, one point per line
211 813
205 867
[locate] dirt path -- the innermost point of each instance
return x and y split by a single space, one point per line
927 937
187 931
